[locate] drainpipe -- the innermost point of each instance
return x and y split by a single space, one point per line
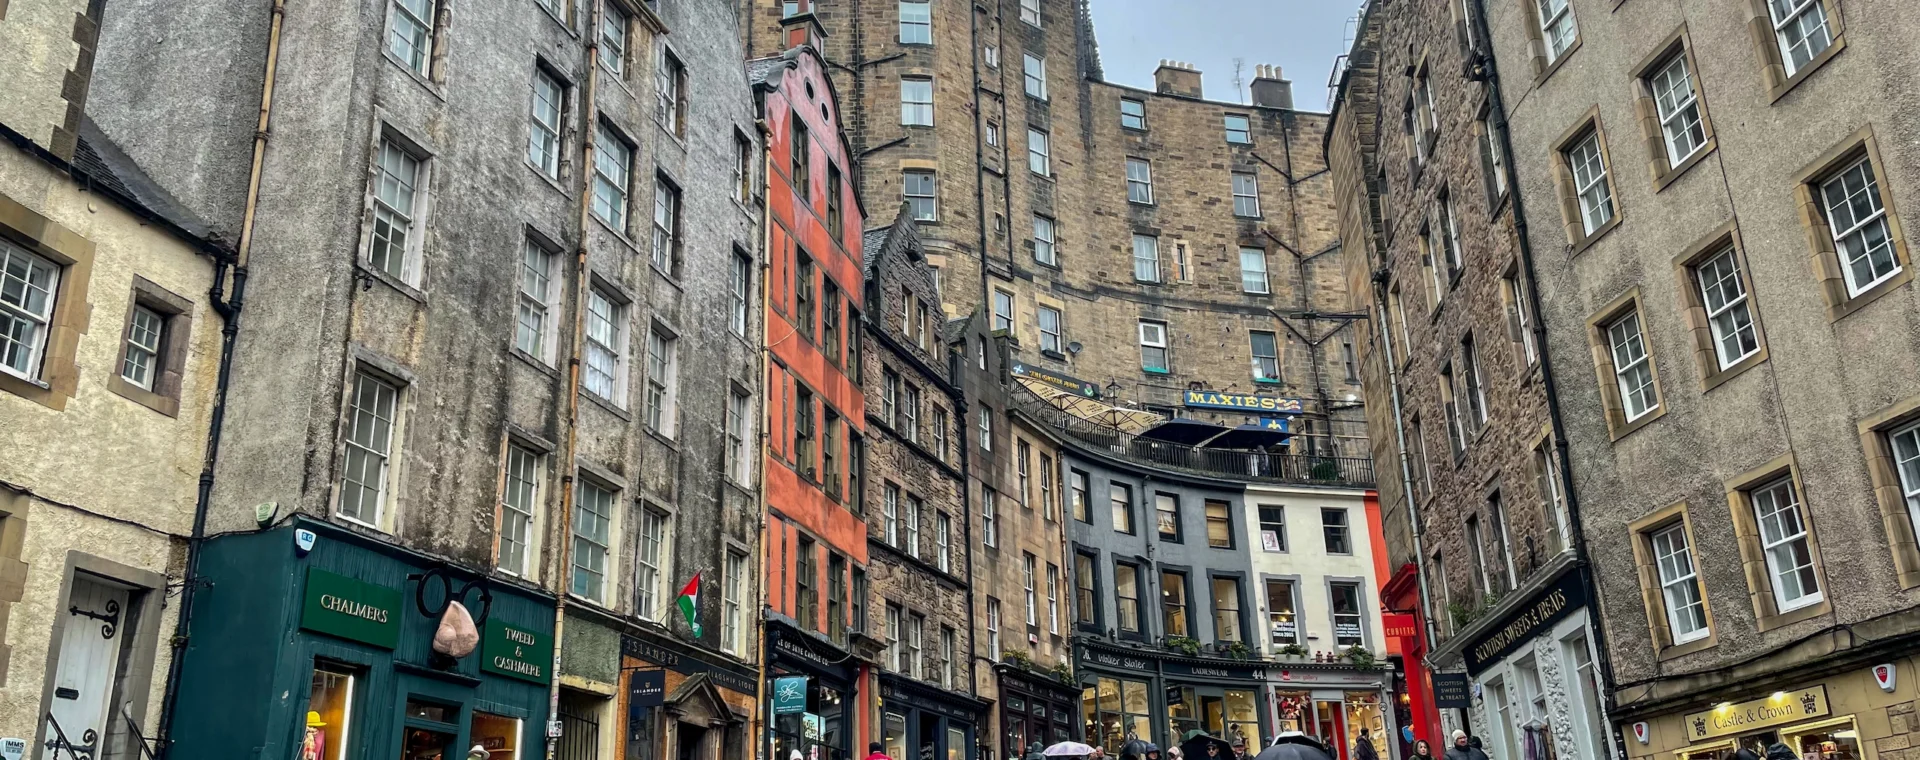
569 481
1498 110
1406 467
980 178
766 435
229 310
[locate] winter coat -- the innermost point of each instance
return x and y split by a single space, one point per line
1780 751
878 756
1363 750
1460 753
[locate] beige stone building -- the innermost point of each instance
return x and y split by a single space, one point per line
1716 194
110 354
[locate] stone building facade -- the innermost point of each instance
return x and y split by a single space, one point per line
111 333
1716 194
481 242
920 570
1459 386
994 122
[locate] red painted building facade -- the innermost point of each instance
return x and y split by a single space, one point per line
816 540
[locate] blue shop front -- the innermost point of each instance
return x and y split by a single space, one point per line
326 653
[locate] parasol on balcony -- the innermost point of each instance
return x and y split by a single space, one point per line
1091 410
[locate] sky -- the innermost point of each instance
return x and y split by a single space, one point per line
1301 36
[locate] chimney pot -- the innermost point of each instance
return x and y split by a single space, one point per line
1177 78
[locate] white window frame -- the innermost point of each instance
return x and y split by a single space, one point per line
1049 335
1246 195
1253 279
1002 314
1859 180
1679 579
606 345
1796 22
1153 337
616 36
410 34
986 429
666 224
890 513
989 517
1146 258
1245 133
1029 568
917 29
670 83
663 382
1678 108
612 177
1030 12
1044 232
740 434
943 542
1266 368
1140 118
593 544
546 118
533 331
916 111
520 500
1779 544
146 343
1632 366
1496 158
1139 181
1558 29
740 292
1729 313
929 199
912 538
1590 185
1039 158
1034 69
24 275
993 630
1450 228
379 444
650 560
733 603
398 206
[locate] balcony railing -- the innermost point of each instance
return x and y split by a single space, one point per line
1253 466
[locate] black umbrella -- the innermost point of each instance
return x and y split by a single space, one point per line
1249 437
1136 748
1196 743
1293 745
1183 431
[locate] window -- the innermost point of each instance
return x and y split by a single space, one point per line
543 141
663 383
1246 194
1273 528
940 425
518 500
993 140
1450 227
1283 623
1030 12
1729 314
739 437
1800 27
1632 367
1166 510
922 203
145 341
614 39
989 516
916 22
1352 361
536 276
836 597
1253 270
1053 598
857 600
606 344
1080 493
1513 292
895 630
1036 76
986 429
1083 589
1037 155
890 506
1153 347
1049 319
1438 602
830 474
803 298
1476 390
1219 524
949 651
1029 571
1426 119
1857 218
1126 591
733 595
803 433
649 564
1002 312
1679 584
1181 271
806 581
373 415
1557 29
890 396
800 159
410 33
742 168
1502 541
910 414
1333 529
612 170
1495 159
1905 445
29 285
1047 476
1226 610
1590 180
1449 403
1430 264
943 542
1347 626
1173 603
916 629
1146 258
916 102
1786 544
912 536
1547 473
592 518
1133 113
1678 107
398 175
1482 579
1022 467
1414 132
1122 499
1139 181
670 83
666 224
739 288
993 629
836 220
1239 129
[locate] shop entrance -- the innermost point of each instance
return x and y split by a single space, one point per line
691 737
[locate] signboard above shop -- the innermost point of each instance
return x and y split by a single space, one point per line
351 609
1779 709
1061 380
517 652
1533 617
1240 402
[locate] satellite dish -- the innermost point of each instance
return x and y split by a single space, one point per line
1074 347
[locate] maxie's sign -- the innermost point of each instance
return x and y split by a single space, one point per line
1240 402
1779 709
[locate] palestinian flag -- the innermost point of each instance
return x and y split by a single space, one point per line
689 602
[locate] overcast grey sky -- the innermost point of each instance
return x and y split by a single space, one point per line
1301 36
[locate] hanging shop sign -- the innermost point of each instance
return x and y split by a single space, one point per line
1061 380
1240 402
1450 691
1276 424
1778 709
1531 618
647 688
517 652
351 609
789 695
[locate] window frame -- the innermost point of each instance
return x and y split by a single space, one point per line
1161 345
418 207
1139 118
1844 294
1260 255
607 546
1251 196
391 455
534 494
1051 341
918 26
668 221
1245 132
916 113
1327 530
616 344
614 194
1769 608
1600 335
1039 152
547 159
1033 69
422 42
1260 373
1150 265
1142 183
1570 162
912 180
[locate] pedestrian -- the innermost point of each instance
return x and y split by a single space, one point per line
1153 751
1778 751
1744 753
876 752
1460 749
1363 747
1175 753
1474 751
1423 751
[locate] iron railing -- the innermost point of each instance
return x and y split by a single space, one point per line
60 747
1255 466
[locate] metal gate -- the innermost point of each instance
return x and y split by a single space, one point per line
579 734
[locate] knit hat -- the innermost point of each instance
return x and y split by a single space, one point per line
1459 734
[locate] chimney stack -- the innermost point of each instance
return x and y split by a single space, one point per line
1270 90
1177 78
803 29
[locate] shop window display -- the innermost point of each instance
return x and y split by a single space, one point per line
818 733
1295 709
497 734
329 715
1115 711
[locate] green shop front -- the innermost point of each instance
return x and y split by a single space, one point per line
310 642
